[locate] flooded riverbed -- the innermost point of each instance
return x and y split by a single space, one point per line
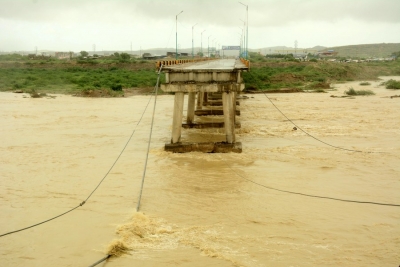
202 209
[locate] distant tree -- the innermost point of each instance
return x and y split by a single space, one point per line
200 54
84 54
125 57
116 54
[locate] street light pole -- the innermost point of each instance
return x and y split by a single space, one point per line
241 41
192 40
247 30
212 45
244 36
202 43
176 39
208 44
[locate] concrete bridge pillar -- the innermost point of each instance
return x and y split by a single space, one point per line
177 118
190 110
200 100
229 102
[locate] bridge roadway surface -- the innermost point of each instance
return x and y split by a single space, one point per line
218 64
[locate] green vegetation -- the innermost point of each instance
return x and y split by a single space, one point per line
392 84
118 73
366 50
272 74
365 83
351 91
77 76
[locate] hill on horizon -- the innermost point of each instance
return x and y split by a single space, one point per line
367 50
359 51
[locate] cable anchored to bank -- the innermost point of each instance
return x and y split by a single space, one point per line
100 261
314 196
319 140
98 185
148 145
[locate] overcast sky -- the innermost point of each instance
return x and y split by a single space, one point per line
75 25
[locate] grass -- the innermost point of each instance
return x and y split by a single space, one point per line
392 84
72 78
353 92
365 83
273 74
110 75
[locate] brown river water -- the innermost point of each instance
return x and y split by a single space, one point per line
202 209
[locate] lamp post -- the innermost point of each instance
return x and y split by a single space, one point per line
176 45
192 40
202 43
213 45
244 36
208 44
247 30
241 41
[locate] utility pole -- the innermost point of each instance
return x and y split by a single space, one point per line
202 43
193 41
208 44
176 39
247 30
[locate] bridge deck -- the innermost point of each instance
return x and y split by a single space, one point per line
220 65
199 79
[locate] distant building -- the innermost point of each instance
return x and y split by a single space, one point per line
63 55
151 56
329 53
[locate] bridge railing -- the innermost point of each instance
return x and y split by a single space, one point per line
245 62
180 61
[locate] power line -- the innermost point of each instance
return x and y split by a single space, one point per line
98 185
319 140
315 196
148 145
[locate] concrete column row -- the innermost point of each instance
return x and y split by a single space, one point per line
229 108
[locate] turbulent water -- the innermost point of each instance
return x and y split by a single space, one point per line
202 209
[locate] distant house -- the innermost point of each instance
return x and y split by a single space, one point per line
63 55
151 56
148 56
329 53
172 54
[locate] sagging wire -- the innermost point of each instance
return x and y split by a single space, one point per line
101 181
319 140
303 194
149 142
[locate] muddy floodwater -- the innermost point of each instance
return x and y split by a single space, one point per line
202 209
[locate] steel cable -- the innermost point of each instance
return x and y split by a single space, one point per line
149 142
101 181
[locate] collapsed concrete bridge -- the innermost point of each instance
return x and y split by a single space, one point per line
204 79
